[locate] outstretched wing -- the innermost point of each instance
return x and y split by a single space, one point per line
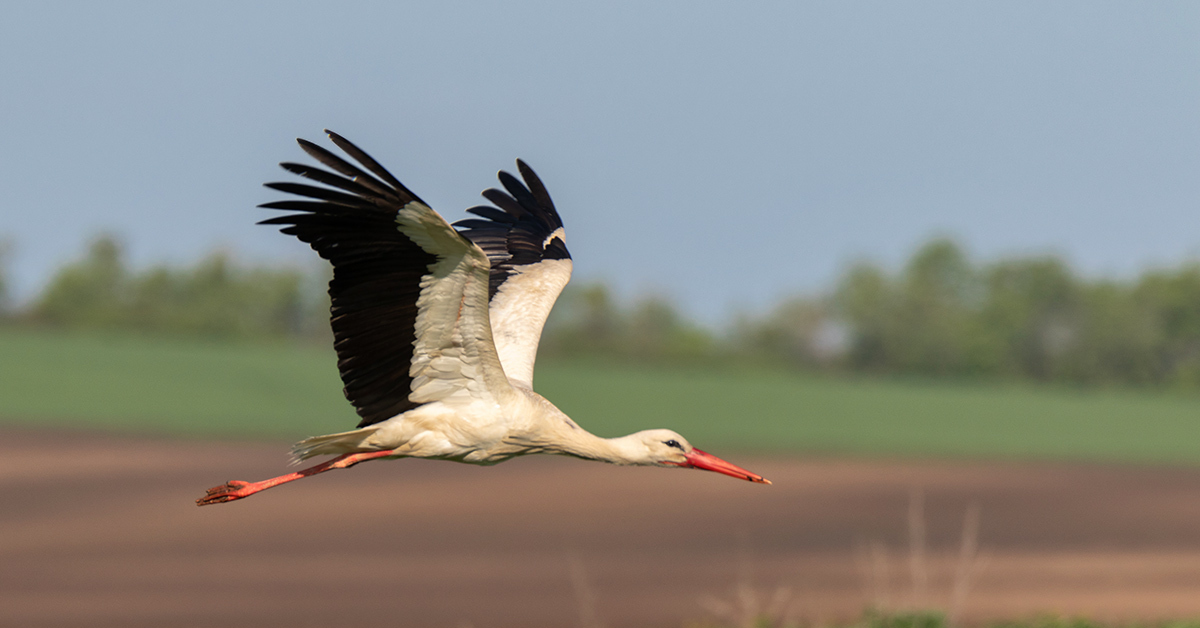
409 294
525 241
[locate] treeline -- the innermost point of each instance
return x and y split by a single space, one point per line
942 314
215 298
1021 318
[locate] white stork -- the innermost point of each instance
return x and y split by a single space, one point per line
436 329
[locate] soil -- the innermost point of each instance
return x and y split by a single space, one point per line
102 530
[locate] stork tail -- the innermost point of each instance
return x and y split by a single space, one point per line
354 441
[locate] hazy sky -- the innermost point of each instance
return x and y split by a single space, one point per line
725 154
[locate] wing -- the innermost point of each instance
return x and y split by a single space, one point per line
525 241
409 294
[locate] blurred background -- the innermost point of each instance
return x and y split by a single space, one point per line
935 266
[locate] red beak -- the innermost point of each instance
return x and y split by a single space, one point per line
697 459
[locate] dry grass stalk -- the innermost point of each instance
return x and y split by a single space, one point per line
748 607
917 551
873 563
969 563
585 595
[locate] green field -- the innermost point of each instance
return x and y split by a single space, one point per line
287 392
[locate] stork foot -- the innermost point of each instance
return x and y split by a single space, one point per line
237 489
227 492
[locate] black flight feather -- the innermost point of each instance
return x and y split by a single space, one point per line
516 232
370 163
356 174
377 271
491 213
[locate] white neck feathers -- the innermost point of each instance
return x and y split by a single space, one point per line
572 440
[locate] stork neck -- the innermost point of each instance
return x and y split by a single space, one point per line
554 432
624 450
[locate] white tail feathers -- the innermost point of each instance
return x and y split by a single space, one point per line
354 441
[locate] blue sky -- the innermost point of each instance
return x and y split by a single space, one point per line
726 155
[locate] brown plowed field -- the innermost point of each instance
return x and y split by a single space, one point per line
99 530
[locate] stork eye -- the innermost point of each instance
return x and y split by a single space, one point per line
673 443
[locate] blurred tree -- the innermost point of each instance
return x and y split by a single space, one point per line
585 320
6 248
88 292
920 323
656 331
1116 339
1029 318
798 332
1173 298
931 320
865 299
214 298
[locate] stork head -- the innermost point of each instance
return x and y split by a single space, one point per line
669 449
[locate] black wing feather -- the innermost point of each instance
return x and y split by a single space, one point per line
328 178
491 213
371 164
535 185
378 190
377 271
516 231
505 202
312 191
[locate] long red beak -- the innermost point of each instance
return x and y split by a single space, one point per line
697 459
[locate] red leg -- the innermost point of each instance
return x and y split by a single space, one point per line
237 489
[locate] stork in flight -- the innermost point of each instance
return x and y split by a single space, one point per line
436 329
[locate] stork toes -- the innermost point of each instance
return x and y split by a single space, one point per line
227 492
